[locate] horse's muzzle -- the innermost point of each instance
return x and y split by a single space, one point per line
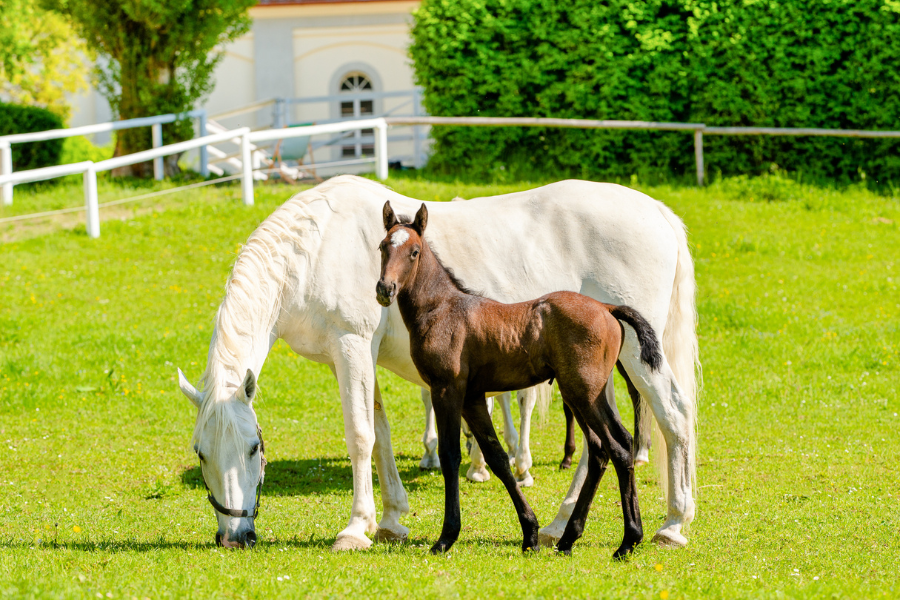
385 292
245 539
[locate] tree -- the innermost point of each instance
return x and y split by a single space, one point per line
159 57
41 59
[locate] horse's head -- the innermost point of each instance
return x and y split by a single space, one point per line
400 252
229 443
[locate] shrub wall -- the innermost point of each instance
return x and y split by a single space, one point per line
27 119
793 63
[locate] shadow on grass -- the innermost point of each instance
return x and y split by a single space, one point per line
312 476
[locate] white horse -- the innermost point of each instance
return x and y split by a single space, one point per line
307 275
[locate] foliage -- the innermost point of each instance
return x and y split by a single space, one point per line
28 119
799 323
79 149
792 63
159 57
41 59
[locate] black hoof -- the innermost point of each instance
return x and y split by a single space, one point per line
441 547
624 550
561 552
566 464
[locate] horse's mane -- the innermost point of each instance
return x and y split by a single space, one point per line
459 285
254 296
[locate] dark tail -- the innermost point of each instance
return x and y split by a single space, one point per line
650 353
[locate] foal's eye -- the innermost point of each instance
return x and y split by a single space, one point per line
414 254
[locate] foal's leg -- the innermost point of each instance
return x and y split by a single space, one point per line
479 420
447 404
674 414
527 401
552 532
569 446
608 439
430 459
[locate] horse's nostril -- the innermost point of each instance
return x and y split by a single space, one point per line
250 539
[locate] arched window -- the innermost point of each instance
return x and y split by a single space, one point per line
355 108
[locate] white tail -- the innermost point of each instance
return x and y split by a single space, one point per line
681 348
544 395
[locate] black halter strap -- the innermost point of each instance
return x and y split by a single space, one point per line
233 512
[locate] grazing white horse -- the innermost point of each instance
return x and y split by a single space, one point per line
307 273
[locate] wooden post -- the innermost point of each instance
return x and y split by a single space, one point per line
698 154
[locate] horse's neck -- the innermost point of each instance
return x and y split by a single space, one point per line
431 289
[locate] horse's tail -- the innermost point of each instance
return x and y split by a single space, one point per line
650 354
681 348
544 395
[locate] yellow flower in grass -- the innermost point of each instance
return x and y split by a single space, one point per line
658 567
664 595
76 529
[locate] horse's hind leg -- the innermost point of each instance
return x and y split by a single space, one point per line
430 459
476 414
674 415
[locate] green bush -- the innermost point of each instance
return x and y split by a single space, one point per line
793 63
27 119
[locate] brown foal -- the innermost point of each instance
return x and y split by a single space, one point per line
466 346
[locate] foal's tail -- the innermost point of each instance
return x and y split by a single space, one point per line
650 353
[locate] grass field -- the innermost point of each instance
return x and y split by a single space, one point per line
100 496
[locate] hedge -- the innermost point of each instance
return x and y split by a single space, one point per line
15 118
793 63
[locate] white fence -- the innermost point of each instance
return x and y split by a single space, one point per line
245 137
155 123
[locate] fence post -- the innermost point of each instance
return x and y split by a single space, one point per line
698 154
6 169
381 151
204 151
417 133
92 209
247 169
158 172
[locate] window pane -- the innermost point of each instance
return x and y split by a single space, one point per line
346 109
368 150
348 151
366 107
367 132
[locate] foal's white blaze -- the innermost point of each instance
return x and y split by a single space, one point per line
399 238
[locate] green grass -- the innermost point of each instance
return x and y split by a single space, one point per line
99 493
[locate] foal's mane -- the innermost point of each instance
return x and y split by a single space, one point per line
457 283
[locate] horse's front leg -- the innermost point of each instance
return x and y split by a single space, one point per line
393 496
430 459
355 371
477 472
447 402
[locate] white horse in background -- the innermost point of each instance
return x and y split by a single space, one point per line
307 275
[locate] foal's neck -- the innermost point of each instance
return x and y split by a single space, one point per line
430 288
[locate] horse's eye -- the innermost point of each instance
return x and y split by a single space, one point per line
414 254
200 455
254 450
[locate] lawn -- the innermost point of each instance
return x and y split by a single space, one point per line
799 489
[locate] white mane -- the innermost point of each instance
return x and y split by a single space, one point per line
253 299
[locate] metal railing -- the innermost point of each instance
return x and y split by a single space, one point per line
245 137
155 123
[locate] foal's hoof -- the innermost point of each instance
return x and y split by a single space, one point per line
669 539
441 547
386 536
566 464
567 552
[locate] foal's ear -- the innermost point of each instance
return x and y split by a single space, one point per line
387 213
248 388
189 390
421 220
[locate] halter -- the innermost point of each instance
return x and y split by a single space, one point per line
233 512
